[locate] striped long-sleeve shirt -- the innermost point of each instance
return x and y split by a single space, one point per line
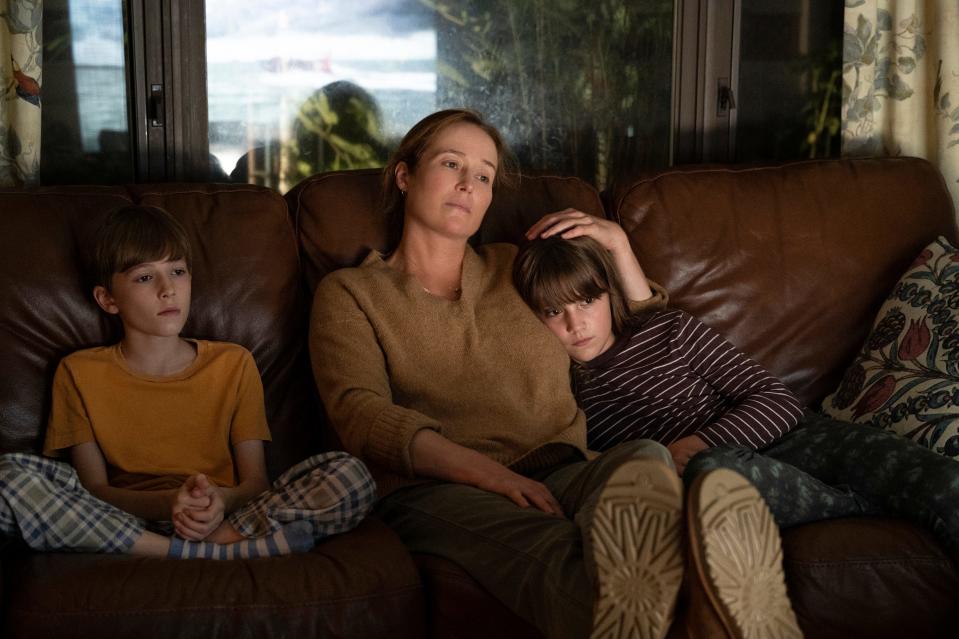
673 377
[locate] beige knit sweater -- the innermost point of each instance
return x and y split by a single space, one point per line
390 359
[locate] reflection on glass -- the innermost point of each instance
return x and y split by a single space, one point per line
311 86
577 87
790 80
84 122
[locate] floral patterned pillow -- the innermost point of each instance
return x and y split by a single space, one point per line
906 379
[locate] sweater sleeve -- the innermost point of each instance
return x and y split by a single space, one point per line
352 379
761 408
658 301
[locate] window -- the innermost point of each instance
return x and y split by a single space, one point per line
154 90
577 88
85 135
790 75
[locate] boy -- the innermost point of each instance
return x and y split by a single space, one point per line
165 433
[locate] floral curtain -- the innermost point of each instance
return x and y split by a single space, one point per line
901 82
21 39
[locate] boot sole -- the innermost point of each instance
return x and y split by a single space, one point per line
736 553
636 539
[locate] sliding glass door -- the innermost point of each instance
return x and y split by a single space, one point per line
578 88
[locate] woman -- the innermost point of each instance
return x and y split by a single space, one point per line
437 375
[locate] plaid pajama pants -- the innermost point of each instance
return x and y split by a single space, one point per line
43 502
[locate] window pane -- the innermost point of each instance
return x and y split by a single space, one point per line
790 80
84 123
577 87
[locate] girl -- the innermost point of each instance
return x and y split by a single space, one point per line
665 376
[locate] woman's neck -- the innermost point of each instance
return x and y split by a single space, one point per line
436 264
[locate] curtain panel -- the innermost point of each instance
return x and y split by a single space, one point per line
901 82
21 56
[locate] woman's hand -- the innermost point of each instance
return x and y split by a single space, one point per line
571 223
435 456
685 449
521 490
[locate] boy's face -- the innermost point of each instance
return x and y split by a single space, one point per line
152 298
585 327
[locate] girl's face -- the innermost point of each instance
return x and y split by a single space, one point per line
584 327
453 183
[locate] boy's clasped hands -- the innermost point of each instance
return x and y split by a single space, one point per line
198 508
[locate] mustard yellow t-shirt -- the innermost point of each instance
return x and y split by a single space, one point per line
156 431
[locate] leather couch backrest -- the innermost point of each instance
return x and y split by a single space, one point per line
246 289
789 262
338 216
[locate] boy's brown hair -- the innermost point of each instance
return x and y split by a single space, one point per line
553 272
134 235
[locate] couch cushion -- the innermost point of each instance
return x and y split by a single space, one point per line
46 306
362 584
905 377
789 262
869 577
338 217
246 289
460 608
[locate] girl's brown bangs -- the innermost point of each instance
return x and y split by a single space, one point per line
558 286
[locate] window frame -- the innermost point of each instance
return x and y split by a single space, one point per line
705 57
167 49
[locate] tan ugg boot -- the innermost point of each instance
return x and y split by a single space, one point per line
735 578
636 545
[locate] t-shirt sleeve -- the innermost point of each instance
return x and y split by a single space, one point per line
249 415
69 424
353 381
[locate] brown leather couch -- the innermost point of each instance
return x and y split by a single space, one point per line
790 262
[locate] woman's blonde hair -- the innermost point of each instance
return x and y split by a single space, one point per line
553 272
412 148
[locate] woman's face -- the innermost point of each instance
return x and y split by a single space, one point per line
453 183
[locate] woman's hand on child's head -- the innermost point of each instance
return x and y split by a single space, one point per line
570 223
685 449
